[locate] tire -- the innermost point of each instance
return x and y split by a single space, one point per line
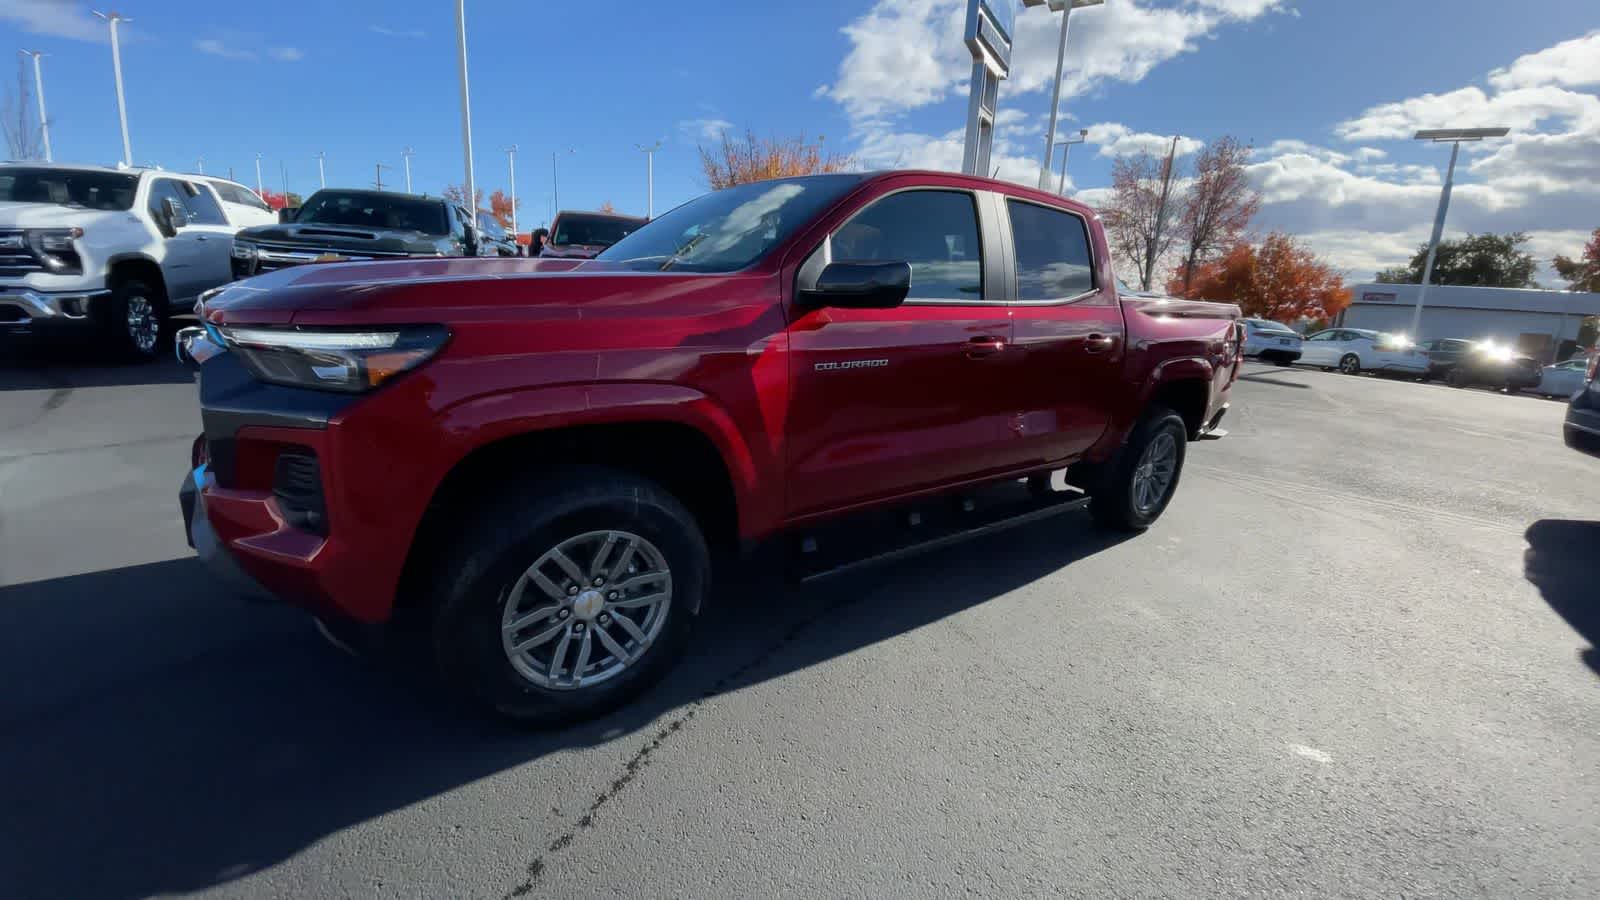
137 318
1114 497
1284 363
575 510
1350 364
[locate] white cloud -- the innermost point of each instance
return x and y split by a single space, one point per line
1519 109
215 47
286 54
1571 63
386 31
1116 139
54 18
907 54
695 130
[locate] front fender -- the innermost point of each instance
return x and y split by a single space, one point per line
485 419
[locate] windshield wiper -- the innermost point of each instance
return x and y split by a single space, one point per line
683 251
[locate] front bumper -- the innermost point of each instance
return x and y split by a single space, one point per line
203 538
27 311
1582 427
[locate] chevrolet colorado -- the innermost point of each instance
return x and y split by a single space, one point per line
535 461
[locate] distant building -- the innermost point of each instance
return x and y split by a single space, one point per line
1543 324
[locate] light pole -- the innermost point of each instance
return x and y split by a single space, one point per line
1455 137
1065 8
38 88
555 179
406 155
200 165
511 160
650 177
322 175
259 191
114 18
466 109
283 180
1083 135
377 182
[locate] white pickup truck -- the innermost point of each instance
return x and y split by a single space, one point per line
106 252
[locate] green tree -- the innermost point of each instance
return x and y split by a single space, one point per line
1483 260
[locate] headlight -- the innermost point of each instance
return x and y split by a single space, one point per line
242 250
348 361
55 248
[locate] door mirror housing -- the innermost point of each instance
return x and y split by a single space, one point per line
172 215
860 285
288 214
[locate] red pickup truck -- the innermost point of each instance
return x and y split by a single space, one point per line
535 461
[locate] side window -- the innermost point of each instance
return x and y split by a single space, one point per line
203 208
1053 258
935 231
1322 336
163 189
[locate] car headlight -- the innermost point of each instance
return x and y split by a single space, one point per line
334 360
56 249
242 250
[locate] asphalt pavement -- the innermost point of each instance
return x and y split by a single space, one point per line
1355 658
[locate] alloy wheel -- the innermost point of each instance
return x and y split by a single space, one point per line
1153 475
144 327
586 610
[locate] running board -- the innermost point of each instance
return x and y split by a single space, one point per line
1069 502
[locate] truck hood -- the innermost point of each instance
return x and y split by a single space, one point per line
433 289
54 215
312 236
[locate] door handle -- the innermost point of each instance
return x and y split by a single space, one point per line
1098 343
202 237
985 345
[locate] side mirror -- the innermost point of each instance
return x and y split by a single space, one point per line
288 214
173 214
869 285
470 237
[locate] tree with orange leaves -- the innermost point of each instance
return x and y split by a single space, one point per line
758 159
500 207
1281 280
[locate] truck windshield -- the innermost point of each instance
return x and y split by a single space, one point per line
729 229
68 187
593 231
361 209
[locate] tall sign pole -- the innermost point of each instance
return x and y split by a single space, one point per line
990 27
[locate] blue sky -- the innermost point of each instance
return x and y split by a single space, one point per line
1322 89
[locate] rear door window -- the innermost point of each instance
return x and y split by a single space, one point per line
1052 249
935 231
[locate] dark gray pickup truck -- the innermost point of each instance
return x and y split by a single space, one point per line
337 224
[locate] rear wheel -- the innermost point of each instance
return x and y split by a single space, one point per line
1350 364
1132 491
569 596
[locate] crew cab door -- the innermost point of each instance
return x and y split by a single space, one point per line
1069 333
886 402
183 257
211 231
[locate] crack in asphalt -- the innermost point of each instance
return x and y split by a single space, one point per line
635 764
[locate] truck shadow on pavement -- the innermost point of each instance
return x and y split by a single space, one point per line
158 737
1562 559
67 367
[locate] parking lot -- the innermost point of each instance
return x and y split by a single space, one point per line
1355 657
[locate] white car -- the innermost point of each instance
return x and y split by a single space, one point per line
244 208
1356 350
106 252
1562 379
1271 341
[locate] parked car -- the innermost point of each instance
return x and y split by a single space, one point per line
243 208
582 235
336 224
1271 341
1563 379
1356 350
493 239
1463 363
1582 428
536 467
101 252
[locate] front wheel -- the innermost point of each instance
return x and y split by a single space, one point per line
1135 488
138 312
569 596
1350 364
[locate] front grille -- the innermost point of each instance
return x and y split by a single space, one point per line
297 485
15 257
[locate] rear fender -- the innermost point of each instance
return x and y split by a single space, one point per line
1183 368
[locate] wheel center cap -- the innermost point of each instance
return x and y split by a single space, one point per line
588 604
